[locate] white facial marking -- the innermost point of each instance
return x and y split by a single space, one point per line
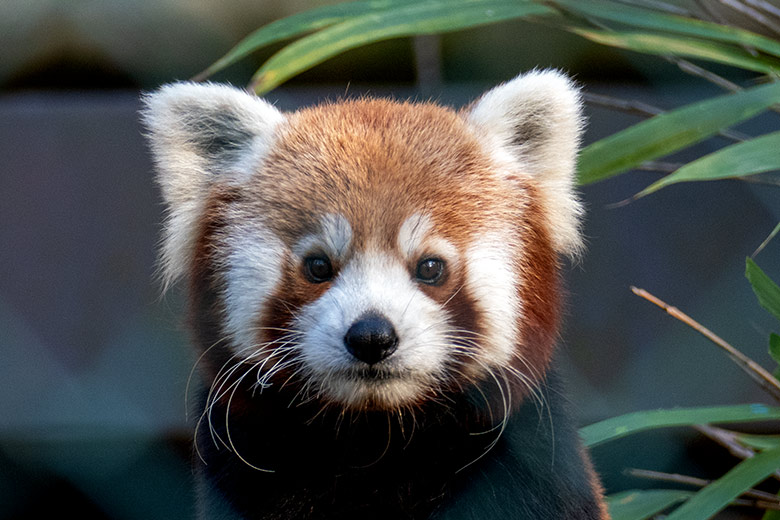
374 282
412 233
334 238
490 279
337 234
253 270
416 237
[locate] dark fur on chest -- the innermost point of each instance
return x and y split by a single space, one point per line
435 464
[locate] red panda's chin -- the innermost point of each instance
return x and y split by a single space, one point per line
373 388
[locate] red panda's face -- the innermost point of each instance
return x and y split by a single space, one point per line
371 254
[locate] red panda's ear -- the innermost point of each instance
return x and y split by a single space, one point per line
201 134
533 123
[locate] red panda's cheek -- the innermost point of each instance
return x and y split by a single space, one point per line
491 283
254 265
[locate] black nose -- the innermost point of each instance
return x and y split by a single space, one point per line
371 338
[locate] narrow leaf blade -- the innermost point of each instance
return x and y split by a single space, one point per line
766 241
774 351
766 290
638 505
661 44
739 160
672 131
759 442
295 25
649 19
774 347
430 17
717 495
621 426
771 514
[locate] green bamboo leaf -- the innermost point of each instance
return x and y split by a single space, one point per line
771 514
617 427
295 25
766 290
739 160
720 493
638 505
651 43
649 19
774 351
666 133
428 17
759 442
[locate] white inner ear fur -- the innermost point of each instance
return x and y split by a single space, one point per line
531 125
201 134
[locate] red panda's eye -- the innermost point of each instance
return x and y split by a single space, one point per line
317 269
430 270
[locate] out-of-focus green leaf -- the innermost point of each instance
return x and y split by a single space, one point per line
297 24
672 45
638 505
738 160
426 17
759 442
672 131
771 514
617 427
774 351
720 493
649 19
766 290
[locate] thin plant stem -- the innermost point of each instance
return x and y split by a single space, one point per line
659 6
628 106
763 5
753 14
730 441
727 439
764 379
755 494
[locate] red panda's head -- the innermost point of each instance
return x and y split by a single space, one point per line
371 254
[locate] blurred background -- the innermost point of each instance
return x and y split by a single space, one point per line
94 364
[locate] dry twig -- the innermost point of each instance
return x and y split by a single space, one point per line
753 14
753 369
730 441
771 501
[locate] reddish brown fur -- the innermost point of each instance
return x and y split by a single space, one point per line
388 161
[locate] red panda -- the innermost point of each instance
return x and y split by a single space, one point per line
374 290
